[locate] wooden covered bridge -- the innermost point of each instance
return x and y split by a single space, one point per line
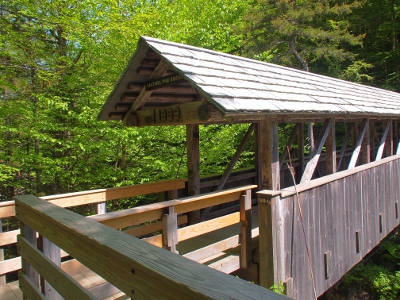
316 215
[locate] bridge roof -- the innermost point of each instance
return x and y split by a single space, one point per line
237 86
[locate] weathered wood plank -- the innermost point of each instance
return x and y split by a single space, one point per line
29 290
144 271
53 254
62 282
314 157
330 157
121 219
193 166
389 140
246 253
357 148
7 209
153 227
100 195
382 142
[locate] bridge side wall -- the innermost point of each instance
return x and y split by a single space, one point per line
343 220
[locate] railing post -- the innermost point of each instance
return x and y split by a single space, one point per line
245 231
3 277
270 266
30 235
170 230
101 208
54 254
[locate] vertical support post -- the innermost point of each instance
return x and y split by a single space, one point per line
270 179
331 166
172 194
310 127
3 277
269 154
389 139
101 208
245 231
396 137
53 253
366 145
301 152
257 154
193 166
30 235
170 230
269 267
373 137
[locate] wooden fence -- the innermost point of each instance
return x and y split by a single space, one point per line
344 216
99 196
135 267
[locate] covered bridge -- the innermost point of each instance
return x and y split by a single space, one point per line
337 218
319 212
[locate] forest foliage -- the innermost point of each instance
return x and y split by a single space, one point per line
61 59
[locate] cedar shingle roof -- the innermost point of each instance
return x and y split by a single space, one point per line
237 85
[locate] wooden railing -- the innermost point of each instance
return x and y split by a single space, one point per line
164 216
344 216
99 196
135 267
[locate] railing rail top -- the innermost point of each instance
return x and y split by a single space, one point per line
169 203
179 182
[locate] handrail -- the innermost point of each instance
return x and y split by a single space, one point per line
124 218
7 208
138 269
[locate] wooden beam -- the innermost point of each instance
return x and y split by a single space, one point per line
289 144
301 152
366 146
266 241
144 94
51 254
344 145
269 154
193 166
389 140
357 148
314 157
170 230
382 141
373 138
246 253
310 128
330 158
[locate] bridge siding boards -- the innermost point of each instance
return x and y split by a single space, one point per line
332 213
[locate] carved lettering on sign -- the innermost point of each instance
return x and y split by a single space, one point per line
157 83
170 114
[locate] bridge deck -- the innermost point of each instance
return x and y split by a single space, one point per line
227 262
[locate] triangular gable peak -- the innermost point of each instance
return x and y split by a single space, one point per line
167 83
